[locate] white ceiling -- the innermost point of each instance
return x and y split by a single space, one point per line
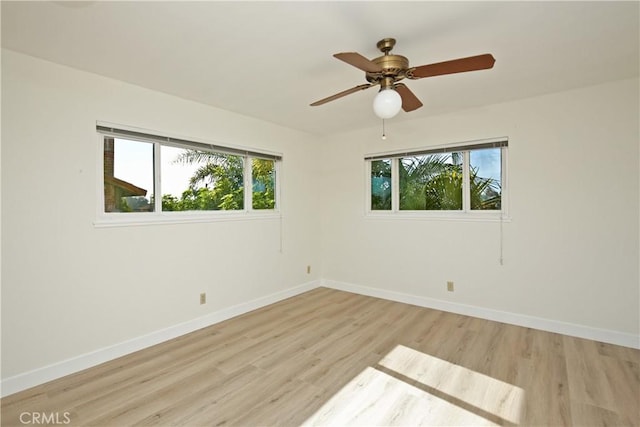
270 60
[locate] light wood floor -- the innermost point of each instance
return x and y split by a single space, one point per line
334 358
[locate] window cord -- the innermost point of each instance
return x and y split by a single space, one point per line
501 240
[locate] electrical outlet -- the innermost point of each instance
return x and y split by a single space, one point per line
203 298
308 269
450 286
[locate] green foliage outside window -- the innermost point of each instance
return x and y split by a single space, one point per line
219 183
432 182
381 185
264 184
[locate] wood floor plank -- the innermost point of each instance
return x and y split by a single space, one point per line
588 386
333 357
548 386
585 415
194 403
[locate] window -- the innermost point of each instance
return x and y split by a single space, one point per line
128 178
155 175
464 179
263 181
197 180
485 178
431 182
381 184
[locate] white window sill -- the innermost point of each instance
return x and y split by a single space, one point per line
439 216
128 219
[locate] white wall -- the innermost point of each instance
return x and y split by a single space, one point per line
571 249
70 288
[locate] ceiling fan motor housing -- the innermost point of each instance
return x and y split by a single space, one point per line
392 66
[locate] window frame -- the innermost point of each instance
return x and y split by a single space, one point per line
157 216
466 213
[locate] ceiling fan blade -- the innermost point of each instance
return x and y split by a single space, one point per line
461 65
410 101
359 61
343 93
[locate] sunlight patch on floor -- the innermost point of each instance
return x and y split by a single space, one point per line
478 390
374 398
409 387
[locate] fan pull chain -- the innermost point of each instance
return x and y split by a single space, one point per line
384 135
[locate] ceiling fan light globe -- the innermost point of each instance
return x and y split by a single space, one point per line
387 103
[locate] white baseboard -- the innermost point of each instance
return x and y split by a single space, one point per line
42 375
575 330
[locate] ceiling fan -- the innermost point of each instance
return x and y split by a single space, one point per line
388 69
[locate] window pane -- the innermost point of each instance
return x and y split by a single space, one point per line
263 178
194 180
381 185
431 182
485 177
128 176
